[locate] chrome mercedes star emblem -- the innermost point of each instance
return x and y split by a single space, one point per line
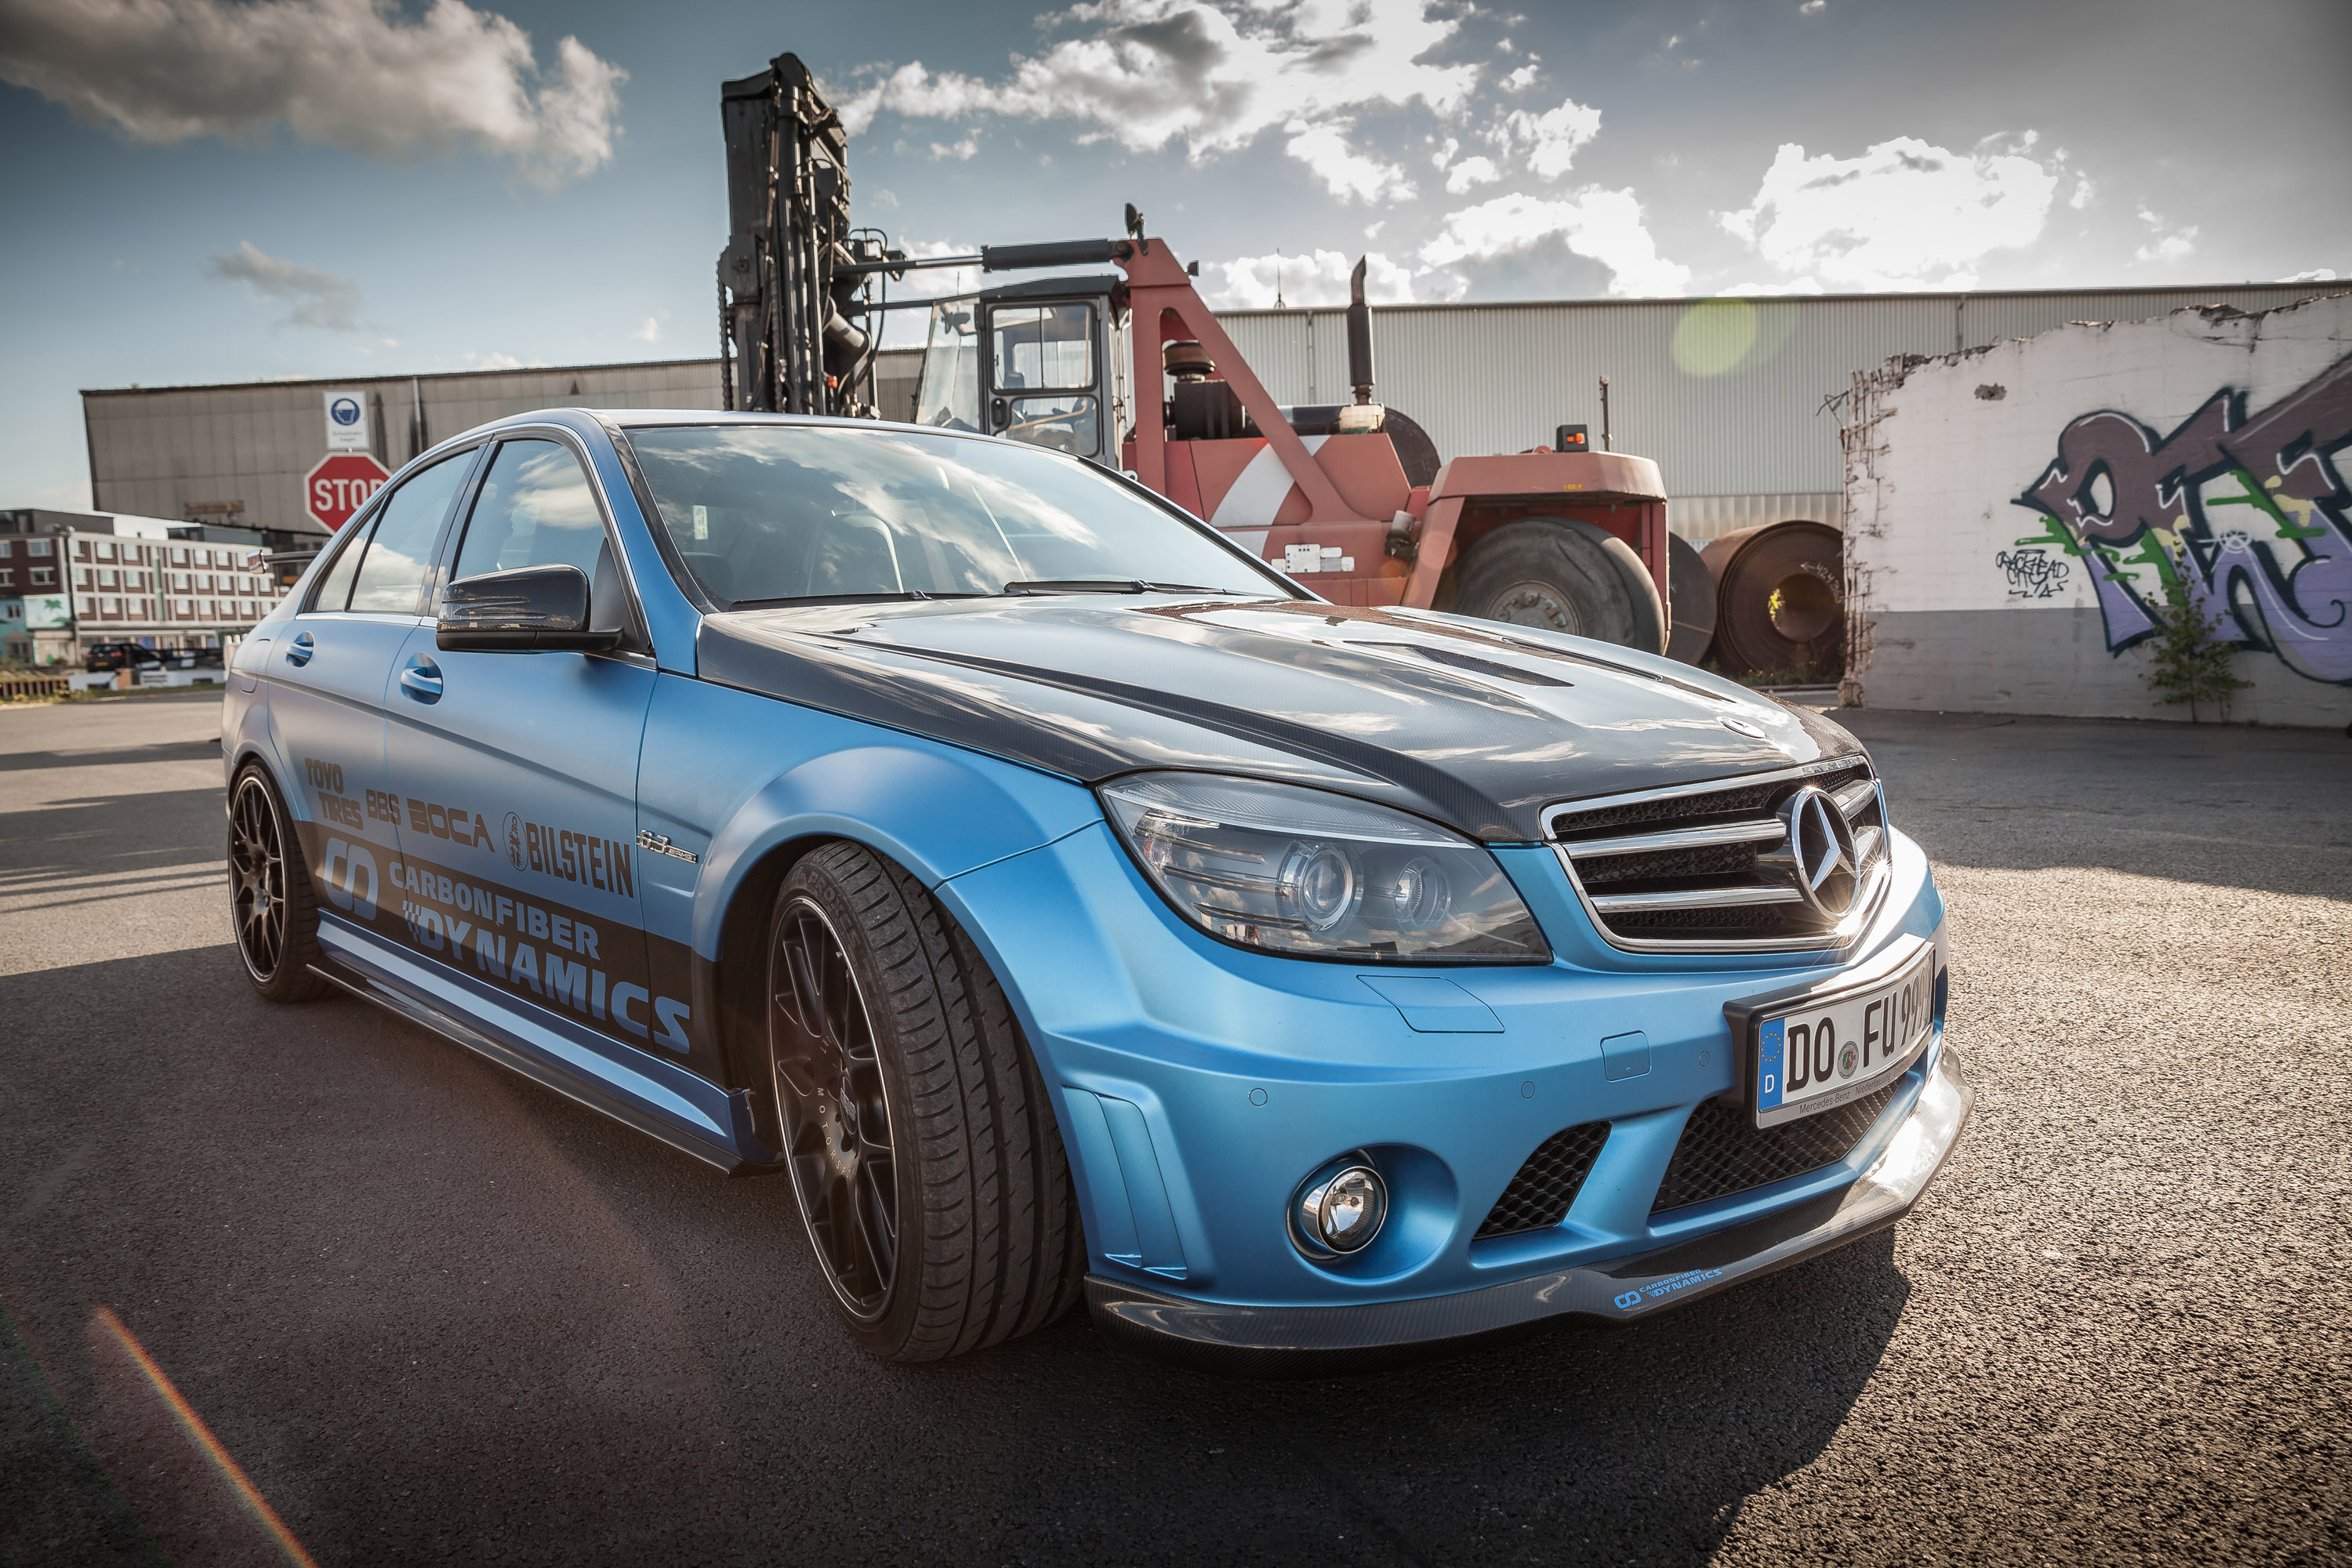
1817 856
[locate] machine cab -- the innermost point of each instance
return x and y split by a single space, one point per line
1043 362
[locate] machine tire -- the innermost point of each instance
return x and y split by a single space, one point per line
1779 600
273 909
984 1235
1690 589
1563 575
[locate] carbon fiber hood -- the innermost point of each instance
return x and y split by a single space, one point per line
1472 724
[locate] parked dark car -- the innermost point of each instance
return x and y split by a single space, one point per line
121 656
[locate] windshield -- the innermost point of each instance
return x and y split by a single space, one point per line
774 514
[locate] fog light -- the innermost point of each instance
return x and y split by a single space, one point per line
1343 1212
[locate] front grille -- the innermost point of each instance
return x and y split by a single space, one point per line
1540 1196
1723 1152
1709 866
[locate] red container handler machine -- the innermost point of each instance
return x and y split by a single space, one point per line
1133 371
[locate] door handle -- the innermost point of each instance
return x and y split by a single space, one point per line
421 680
298 651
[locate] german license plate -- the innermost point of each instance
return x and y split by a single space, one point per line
1826 1049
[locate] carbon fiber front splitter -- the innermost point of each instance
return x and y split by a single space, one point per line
1310 1342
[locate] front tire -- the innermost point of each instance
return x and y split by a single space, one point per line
1563 575
922 1147
272 912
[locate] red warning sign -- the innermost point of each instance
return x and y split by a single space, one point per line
340 485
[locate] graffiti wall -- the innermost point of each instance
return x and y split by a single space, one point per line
2019 517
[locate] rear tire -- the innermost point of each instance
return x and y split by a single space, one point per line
1562 574
920 1141
273 912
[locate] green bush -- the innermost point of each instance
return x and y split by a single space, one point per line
2189 661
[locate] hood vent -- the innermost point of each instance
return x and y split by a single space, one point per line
1793 860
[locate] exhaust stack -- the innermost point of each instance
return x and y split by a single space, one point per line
1360 336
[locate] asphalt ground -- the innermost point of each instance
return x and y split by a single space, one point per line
429 1311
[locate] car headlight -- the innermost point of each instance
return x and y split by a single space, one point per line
1315 874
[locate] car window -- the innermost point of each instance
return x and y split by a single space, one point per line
535 509
391 574
334 589
775 512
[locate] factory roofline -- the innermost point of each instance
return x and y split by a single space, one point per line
2316 286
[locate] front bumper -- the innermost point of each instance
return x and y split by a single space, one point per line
1308 1341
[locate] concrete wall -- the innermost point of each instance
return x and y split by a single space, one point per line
2011 513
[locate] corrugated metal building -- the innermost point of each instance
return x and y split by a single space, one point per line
1725 394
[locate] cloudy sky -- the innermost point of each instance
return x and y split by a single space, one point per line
226 190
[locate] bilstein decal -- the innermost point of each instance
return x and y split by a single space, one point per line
586 858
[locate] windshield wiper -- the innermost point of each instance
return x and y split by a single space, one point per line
1108 585
909 596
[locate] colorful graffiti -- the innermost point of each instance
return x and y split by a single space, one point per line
2248 513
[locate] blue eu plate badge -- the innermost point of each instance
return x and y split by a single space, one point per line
1770 1042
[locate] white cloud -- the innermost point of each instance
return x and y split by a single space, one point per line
356 74
650 332
1603 225
1471 173
1347 173
317 297
1144 73
1520 79
1905 214
2169 243
2085 189
495 361
1317 278
1551 140
1812 7
961 151
1446 151
2317 275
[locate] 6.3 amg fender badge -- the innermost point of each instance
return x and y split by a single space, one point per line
660 844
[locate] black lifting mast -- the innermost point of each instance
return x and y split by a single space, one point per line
796 277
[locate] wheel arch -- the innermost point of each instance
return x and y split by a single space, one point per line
932 811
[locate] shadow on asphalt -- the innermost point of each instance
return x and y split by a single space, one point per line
433 1309
2265 810
104 834
113 756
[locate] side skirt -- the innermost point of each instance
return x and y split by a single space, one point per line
416 1011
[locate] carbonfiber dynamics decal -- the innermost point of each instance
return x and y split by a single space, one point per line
539 950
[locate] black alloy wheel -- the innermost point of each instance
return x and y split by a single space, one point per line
916 1130
834 1108
271 909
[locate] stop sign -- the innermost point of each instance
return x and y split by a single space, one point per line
340 485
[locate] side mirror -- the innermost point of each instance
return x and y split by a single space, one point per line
531 609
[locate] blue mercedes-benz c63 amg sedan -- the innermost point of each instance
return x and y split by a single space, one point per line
1066 903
